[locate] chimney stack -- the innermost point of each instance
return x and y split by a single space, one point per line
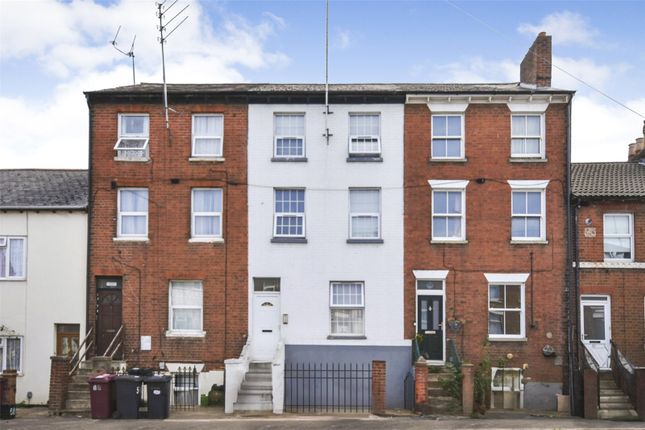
536 65
637 149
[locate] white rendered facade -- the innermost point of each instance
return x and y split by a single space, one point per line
51 292
307 270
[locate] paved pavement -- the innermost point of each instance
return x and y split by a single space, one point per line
39 420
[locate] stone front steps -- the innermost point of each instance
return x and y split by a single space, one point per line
614 404
256 390
440 401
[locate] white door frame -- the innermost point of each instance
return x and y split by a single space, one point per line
443 321
597 300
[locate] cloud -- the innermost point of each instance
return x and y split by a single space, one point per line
70 42
468 70
344 39
567 28
591 72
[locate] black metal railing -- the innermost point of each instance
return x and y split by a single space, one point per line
623 372
185 387
408 390
588 362
327 387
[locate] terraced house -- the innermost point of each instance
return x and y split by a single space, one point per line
268 228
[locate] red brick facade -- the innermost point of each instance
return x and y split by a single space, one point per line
148 267
626 286
488 234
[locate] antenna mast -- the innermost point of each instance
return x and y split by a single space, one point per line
327 112
161 13
130 53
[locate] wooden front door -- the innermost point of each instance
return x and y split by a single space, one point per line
108 313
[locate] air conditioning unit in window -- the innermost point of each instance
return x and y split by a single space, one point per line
3 241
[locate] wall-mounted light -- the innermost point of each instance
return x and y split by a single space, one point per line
588 221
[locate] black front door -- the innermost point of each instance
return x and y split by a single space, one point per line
430 326
108 309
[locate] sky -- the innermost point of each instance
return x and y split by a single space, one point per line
51 51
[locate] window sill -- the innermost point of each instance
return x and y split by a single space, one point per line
180 334
206 159
131 239
289 159
447 160
13 279
448 242
364 240
206 240
288 240
529 242
364 159
350 337
528 160
132 160
507 339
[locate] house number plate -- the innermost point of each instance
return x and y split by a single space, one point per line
431 332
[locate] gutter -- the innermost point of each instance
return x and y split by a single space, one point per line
44 208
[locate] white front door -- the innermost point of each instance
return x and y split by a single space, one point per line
265 333
595 327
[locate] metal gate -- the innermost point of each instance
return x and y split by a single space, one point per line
328 387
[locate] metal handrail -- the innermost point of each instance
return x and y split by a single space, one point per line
80 359
80 347
107 351
623 372
116 349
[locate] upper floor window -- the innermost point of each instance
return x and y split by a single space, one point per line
347 306
364 134
289 133
10 353
618 237
527 136
206 217
289 215
186 307
208 135
448 136
134 132
132 220
448 210
528 210
364 214
12 257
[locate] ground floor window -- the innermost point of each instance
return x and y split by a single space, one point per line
506 388
347 309
67 337
11 353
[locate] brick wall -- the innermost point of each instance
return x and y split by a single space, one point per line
58 383
222 267
488 223
378 386
626 287
536 66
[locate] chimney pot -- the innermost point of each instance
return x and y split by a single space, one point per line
536 65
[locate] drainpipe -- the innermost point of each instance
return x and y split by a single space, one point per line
89 220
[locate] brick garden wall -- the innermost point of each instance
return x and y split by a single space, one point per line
222 267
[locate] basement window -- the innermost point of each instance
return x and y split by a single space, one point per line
507 388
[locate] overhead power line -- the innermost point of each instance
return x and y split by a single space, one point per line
582 81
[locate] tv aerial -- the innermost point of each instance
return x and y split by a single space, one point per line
130 53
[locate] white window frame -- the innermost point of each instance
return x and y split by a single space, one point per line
179 332
462 137
333 306
194 214
457 185
541 137
277 136
353 138
376 215
290 214
196 136
522 310
619 236
530 186
122 152
503 388
120 214
3 357
6 262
